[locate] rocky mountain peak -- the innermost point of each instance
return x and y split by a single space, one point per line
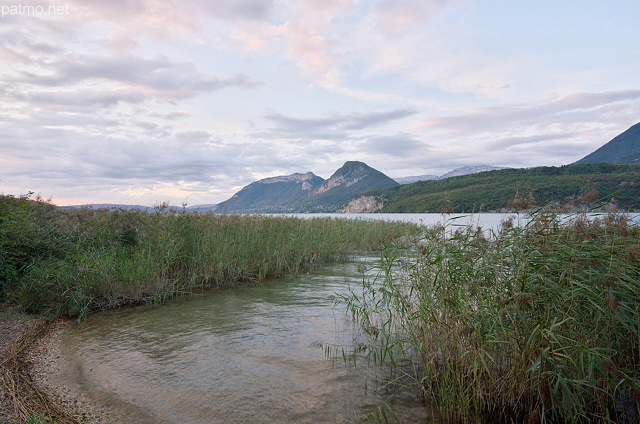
347 175
306 179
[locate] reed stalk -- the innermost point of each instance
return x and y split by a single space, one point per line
534 323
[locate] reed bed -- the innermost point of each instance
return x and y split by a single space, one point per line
60 262
534 323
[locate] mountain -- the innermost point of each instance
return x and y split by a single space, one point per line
464 170
275 194
415 178
159 208
210 207
348 181
306 192
111 206
570 187
624 148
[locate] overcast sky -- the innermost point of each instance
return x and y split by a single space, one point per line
146 101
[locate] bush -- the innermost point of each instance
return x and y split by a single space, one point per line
21 235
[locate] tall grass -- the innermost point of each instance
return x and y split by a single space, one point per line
535 323
72 262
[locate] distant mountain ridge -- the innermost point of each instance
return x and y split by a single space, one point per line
112 206
274 194
306 192
622 149
415 178
463 170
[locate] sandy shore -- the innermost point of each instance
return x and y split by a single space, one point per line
55 377
40 376
13 326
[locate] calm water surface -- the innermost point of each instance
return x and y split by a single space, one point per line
252 354
488 221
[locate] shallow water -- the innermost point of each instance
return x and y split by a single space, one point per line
251 354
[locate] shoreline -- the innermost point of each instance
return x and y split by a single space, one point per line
17 331
35 378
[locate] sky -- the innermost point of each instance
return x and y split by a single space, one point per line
151 101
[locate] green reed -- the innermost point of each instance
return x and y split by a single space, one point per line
72 262
539 323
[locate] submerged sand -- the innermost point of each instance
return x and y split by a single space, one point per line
55 376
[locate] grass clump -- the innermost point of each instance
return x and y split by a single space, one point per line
533 323
70 262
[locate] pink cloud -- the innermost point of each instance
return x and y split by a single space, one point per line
397 17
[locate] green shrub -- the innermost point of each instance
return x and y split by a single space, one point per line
21 235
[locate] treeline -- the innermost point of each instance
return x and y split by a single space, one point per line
71 262
570 188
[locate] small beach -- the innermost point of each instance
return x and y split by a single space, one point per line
34 376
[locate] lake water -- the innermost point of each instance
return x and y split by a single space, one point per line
251 354
488 221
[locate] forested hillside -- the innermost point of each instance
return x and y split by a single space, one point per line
570 187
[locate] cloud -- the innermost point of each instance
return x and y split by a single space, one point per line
189 156
578 107
25 48
160 76
251 10
335 126
310 34
78 99
399 17
398 145
555 131
164 19
511 143
179 114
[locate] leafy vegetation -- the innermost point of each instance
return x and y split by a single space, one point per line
567 187
38 419
535 323
70 262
